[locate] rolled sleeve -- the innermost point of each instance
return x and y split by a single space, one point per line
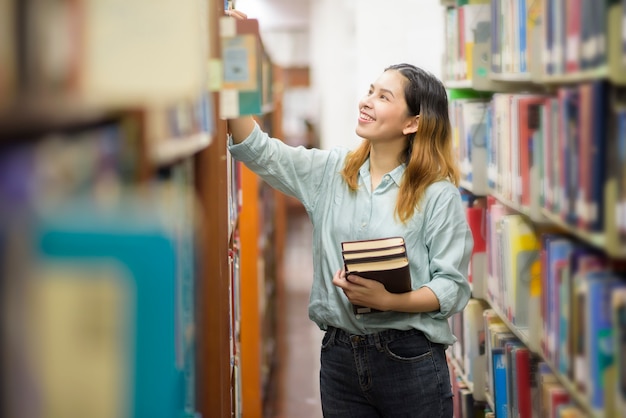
450 245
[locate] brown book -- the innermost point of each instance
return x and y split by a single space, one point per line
383 260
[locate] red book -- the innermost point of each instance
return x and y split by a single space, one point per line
523 382
573 33
476 218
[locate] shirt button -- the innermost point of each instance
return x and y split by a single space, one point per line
363 224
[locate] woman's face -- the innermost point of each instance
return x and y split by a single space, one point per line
383 112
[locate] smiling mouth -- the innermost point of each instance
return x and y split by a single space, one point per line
365 117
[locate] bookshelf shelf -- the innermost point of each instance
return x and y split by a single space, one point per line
597 239
459 84
29 117
490 401
171 150
511 77
537 217
577 77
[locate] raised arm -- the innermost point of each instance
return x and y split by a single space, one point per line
240 128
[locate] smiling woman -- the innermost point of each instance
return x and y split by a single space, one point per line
401 181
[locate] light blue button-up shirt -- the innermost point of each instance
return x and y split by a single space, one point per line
438 239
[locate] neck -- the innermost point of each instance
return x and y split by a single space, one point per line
385 157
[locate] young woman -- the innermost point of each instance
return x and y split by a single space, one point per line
400 181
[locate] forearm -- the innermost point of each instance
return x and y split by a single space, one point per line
420 300
240 128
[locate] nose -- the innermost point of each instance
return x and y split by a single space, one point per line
365 102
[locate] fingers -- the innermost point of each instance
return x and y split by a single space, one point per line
338 280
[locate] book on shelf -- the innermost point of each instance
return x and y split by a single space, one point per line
474 356
555 253
569 411
500 399
101 277
493 324
384 260
616 164
510 347
524 382
554 395
521 252
601 284
467 402
245 68
584 320
456 383
618 311
477 276
594 98
529 108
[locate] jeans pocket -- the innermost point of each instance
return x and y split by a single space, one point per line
412 348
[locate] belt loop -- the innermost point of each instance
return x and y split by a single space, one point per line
331 332
379 345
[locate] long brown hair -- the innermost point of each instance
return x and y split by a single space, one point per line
429 155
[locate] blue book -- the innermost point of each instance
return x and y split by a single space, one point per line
557 249
131 256
522 19
599 139
500 398
601 285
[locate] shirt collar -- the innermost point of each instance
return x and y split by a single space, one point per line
395 174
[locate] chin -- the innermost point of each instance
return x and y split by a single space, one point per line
360 132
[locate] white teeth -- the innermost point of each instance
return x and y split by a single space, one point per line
366 117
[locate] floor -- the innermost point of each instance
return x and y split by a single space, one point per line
295 380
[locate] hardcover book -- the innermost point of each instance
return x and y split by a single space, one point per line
383 260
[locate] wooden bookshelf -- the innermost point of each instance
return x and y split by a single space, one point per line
57 101
234 383
136 123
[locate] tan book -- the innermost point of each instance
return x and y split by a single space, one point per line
383 260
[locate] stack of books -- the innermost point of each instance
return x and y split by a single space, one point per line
383 260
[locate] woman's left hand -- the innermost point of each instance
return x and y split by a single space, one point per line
362 291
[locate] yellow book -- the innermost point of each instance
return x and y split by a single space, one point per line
521 247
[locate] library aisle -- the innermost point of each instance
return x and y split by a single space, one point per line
296 377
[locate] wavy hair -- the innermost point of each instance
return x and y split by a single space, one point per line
429 156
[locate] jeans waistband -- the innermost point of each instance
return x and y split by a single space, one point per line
375 338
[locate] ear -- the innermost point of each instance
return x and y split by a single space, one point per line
411 126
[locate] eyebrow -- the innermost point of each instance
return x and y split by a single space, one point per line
383 90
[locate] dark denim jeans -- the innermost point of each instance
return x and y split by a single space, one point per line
399 374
